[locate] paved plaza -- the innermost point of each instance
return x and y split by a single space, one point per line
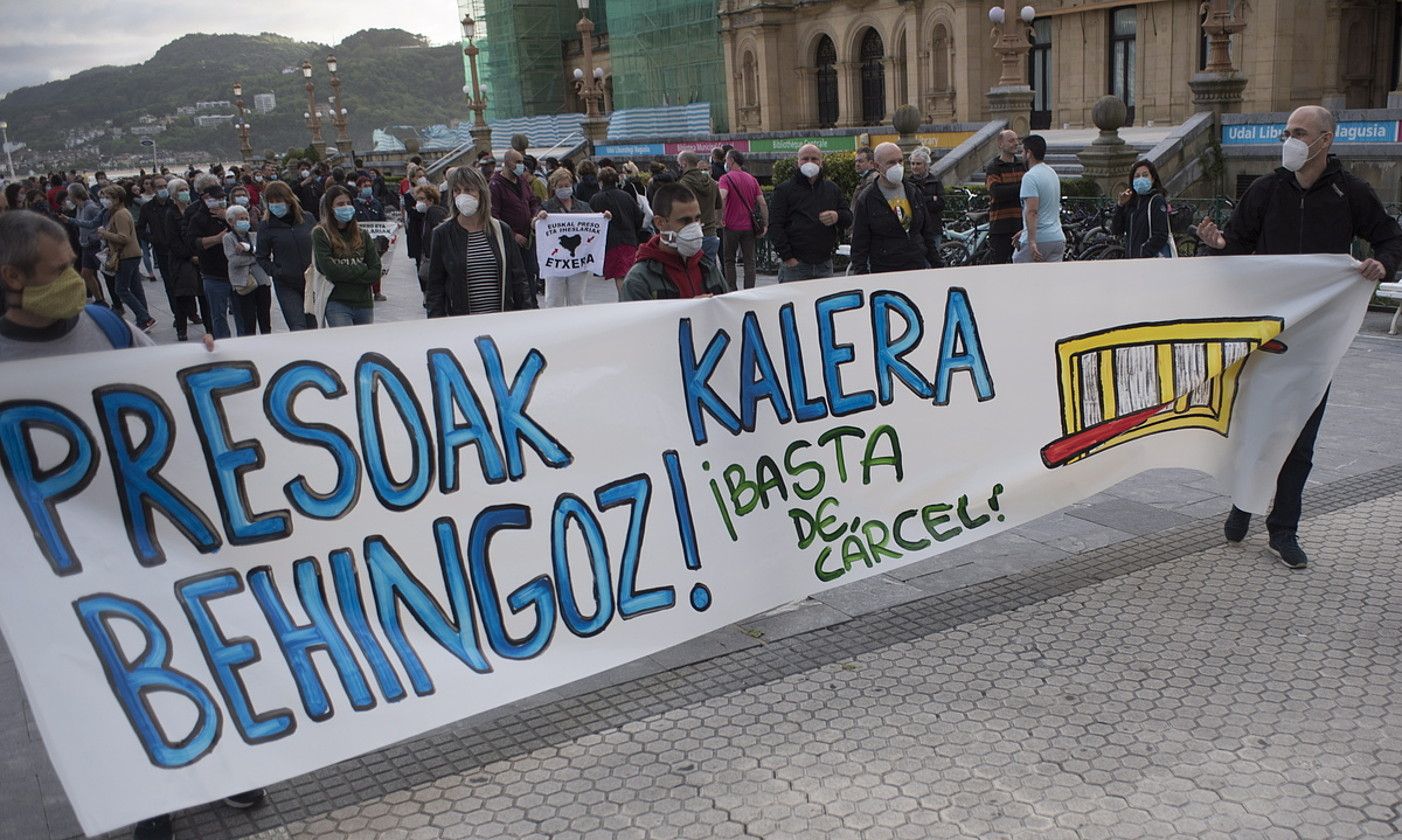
1114 670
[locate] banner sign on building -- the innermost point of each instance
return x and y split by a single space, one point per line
627 150
571 243
1359 131
935 140
791 145
228 568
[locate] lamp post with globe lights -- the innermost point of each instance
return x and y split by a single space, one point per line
590 88
1011 97
312 114
5 134
338 109
245 147
476 94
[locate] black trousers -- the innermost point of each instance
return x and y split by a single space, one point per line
1290 484
1000 248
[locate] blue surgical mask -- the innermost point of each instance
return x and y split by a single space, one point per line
520 169
365 192
1143 185
162 194
241 200
277 208
243 225
183 196
344 213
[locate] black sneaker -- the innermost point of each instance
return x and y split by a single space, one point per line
1288 547
156 828
247 799
1237 523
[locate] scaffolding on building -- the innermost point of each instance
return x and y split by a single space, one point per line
667 52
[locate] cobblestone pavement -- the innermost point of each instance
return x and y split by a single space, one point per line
1112 670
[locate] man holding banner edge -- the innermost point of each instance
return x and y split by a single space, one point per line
1308 205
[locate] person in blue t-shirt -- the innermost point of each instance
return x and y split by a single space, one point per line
1042 239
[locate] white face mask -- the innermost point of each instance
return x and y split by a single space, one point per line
1295 153
421 207
810 169
466 204
687 241
563 193
106 203
894 173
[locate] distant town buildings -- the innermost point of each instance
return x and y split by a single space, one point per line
211 120
264 102
146 130
210 106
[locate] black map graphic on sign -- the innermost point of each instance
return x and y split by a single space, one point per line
571 242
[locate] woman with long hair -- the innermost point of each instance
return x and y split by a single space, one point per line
347 258
474 265
285 250
1141 216
120 235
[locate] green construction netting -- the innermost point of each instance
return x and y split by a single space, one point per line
667 52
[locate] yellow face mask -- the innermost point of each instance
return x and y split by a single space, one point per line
59 300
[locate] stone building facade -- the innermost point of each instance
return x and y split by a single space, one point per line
807 64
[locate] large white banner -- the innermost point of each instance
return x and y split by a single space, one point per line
229 568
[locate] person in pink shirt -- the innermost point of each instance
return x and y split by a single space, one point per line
743 206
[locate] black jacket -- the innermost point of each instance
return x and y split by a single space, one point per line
1278 216
158 220
1143 222
794 228
880 243
586 188
309 196
285 250
933 190
413 226
437 214
626 226
446 287
199 223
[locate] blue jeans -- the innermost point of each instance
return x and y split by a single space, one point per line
804 271
291 302
340 315
128 286
711 246
217 292
146 257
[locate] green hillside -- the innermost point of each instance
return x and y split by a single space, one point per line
388 77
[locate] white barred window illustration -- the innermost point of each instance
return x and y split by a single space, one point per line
1121 384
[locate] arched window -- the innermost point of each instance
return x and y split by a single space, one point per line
825 60
939 59
749 75
873 78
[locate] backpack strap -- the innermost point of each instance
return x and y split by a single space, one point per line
112 325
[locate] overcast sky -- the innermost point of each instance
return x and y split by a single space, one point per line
53 39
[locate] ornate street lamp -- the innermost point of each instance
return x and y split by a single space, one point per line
313 116
338 110
245 147
476 93
590 89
